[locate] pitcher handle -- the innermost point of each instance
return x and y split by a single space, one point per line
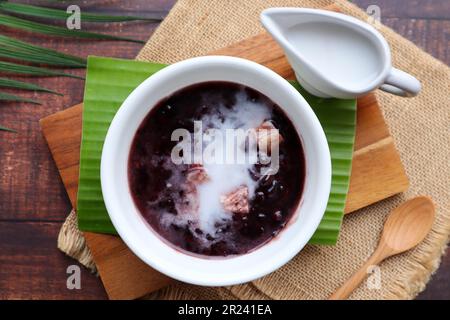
401 83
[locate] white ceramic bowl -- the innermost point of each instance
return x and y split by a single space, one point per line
149 246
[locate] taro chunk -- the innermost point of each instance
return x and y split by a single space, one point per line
196 174
268 136
236 201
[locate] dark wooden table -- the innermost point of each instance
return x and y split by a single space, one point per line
33 203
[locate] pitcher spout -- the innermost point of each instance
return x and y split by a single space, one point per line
278 22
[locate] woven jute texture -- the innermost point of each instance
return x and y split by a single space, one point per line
421 130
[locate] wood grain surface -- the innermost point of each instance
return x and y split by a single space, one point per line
33 202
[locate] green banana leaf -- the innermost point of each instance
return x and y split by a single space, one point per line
110 81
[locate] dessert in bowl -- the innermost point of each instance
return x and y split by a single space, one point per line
201 209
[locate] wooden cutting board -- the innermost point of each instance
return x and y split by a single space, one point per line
377 172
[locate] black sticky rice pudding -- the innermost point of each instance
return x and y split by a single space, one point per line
216 209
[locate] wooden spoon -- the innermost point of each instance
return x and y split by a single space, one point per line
405 228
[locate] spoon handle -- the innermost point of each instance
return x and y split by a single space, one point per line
351 284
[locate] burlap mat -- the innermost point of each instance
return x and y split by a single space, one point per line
420 127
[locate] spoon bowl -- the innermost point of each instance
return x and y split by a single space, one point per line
408 224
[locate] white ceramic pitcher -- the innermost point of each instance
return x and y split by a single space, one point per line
335 55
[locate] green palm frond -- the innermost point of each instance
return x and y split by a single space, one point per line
9 83
10 97
31 26
50 13
13 49
9 67
7 129
58 58
15 54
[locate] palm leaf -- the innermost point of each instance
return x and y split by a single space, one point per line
10 97
22 24
43 12
9 67
8 83
53 55
7 129
15 54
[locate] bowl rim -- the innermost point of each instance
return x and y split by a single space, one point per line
110 148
